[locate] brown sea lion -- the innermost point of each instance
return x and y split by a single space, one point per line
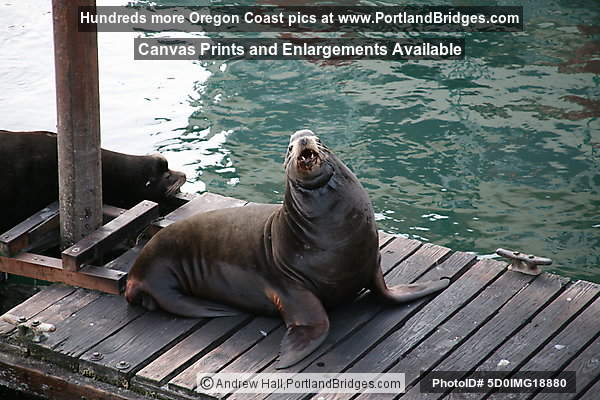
317 250
29 176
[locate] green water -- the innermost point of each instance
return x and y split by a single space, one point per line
501 149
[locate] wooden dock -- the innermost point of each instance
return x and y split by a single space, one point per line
488 319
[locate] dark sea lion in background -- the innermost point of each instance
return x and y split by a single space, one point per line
317 250
29 176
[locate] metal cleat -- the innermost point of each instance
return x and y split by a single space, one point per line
36 328
525 263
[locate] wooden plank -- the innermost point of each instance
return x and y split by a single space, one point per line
563 347
513 320
398 251
256 357
85 329
511 290
344 320
42 228
37 303
229 350
126 225
50 269
254 360
18 238
68 306
125 261
413 262
179 199
203 203
420 325
384 238
587 371
64 308
448 336
186 352
137 344
593 393
388 319
111 212
43 380
525 343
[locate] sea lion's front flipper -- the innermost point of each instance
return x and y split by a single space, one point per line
306 321
404 293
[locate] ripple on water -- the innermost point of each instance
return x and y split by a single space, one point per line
500 149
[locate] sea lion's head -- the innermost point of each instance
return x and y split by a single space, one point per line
128 179
161 181
307 162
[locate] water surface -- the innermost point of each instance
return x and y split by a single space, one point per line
501 149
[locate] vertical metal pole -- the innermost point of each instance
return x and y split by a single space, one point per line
78 112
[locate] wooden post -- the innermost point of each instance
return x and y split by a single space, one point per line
78 112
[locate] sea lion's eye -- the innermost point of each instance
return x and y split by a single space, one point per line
290 148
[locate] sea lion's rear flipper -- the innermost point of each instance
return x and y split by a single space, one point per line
307 325
404 293
193 307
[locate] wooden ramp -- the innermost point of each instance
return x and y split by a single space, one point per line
489 318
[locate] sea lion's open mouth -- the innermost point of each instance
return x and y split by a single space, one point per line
307 158
307 163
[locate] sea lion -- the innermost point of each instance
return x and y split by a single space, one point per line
29 176
317 250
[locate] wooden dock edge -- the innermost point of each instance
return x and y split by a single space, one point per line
35 377
51 370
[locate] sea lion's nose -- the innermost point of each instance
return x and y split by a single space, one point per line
303 141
